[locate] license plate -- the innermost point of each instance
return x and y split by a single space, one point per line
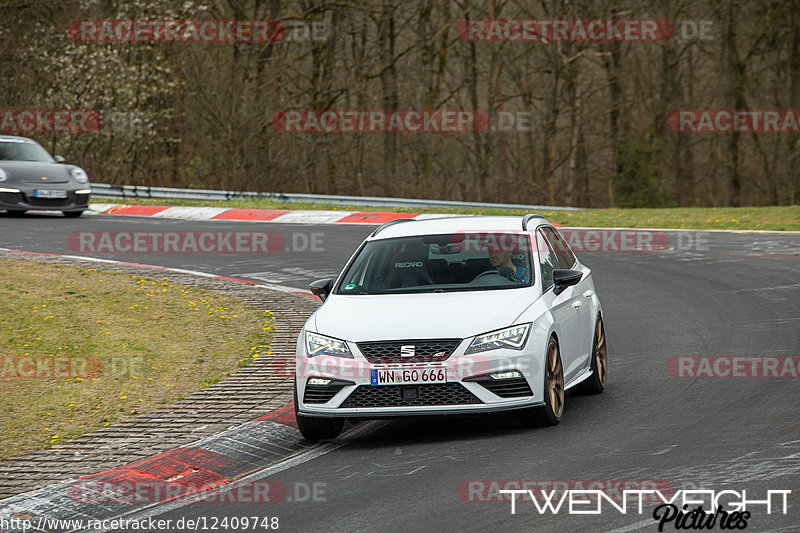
45 193
408 375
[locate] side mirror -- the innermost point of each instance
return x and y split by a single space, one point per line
59 159
321 288
565 278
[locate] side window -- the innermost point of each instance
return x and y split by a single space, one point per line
547 260
566 259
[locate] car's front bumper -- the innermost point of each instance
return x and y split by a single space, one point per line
370 414
467 390
22 198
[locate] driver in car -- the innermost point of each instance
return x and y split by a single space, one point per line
500 259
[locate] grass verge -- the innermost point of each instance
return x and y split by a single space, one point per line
83 349
776 218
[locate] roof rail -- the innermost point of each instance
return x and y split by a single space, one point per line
390 223
527 218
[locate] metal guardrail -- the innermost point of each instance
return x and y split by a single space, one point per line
103 190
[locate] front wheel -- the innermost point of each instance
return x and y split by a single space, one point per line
550 413
72 214
317 428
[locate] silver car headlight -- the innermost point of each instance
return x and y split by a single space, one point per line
317 344
512 338
79 175
3 175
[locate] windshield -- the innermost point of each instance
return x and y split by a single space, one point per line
440 263
22 150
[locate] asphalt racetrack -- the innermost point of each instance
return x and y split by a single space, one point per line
737 295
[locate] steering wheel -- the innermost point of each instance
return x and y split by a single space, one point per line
488 272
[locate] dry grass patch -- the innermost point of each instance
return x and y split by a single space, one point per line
82 349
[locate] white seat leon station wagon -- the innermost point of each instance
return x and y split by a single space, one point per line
455 315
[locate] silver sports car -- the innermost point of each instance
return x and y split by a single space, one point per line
30 178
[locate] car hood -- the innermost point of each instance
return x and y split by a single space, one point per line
33 172
420 316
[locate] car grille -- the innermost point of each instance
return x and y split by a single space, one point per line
10 197
425 351
322 393
427 395
506 388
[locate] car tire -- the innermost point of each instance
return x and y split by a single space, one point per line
72 214
550 413
16 212
317 428
596 383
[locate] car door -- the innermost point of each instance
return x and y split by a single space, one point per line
583 293
565 307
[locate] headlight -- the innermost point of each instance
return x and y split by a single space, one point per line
3 175
79 174
512 338
317 344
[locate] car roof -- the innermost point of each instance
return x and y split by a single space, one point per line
454 224
16 138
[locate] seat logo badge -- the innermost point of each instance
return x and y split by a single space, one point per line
407 350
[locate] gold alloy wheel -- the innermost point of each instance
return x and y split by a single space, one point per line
555 380
600 351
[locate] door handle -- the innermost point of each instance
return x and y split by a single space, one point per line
577 304
588 294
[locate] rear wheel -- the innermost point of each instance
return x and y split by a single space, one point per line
317 428
16 212
550 413
72 214
596 383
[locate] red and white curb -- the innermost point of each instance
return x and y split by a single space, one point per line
227 468
203 470
284 216
288 216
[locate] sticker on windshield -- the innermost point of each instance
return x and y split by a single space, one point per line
350 286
